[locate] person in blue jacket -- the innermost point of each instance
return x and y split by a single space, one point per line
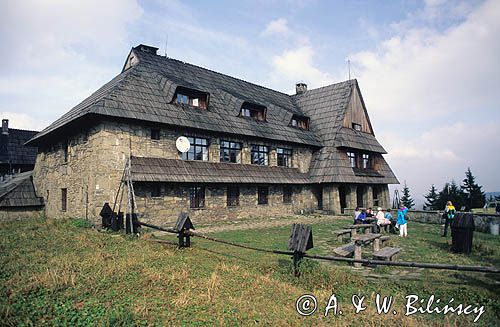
402 222
361 219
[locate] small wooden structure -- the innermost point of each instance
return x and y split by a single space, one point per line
300 241
183 224
363 239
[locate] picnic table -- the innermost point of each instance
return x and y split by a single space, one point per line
354 228
361 239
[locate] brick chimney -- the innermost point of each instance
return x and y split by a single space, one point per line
300 88
5 126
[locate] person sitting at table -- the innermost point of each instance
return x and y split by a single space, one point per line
369 213
356 214
361 218
391 219
381 220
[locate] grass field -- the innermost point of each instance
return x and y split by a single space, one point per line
60 272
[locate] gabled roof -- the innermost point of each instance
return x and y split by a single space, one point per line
19 192
180 171
146 90
13 150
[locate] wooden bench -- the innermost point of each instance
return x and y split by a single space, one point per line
345 250
341 233
384 238
386 254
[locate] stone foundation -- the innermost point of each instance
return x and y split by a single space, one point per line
21 213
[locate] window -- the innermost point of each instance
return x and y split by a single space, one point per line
155 134
300 122
284 157
64 199
352 159
155 190
254 111
197 197
198 149
194 98
262 194
65 150
260 155
366 161
287 194
230 152
233 196
356 127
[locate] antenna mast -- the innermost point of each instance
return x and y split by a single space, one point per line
349 67
166 45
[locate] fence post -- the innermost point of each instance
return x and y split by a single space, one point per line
300 241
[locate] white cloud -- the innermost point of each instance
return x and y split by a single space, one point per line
296 65
278 26
57 53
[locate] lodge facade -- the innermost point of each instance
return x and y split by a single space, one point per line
253 151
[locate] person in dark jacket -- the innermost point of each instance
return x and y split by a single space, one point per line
448 215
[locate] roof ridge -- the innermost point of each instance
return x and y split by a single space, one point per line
22 130
216 72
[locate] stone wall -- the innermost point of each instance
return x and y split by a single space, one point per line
9 214
96 158
481 221
174 198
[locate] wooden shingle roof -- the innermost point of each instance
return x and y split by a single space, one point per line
13 150
180 171
19 192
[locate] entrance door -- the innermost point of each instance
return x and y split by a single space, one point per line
318 194
360 190
342 196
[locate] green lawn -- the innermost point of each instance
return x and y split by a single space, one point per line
61 273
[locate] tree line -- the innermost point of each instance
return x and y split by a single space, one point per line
468 194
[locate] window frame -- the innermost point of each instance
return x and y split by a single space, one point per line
263 195
184 96
258 150
366 161
300 122
254 111
155 134
64 199
233 148
285 156
287 194
195 144
233 196
196 197
352 157
357 127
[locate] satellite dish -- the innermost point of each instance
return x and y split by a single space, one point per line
182 144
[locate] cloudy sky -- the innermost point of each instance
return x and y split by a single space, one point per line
429 70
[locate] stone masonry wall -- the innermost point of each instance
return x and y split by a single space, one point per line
165 209
96 159
8 214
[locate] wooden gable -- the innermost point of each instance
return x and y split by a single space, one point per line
356 112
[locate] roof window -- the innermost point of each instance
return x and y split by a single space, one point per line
254 111
190 97
301 122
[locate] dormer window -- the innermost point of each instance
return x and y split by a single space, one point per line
356 127
301 122
254 111
190 97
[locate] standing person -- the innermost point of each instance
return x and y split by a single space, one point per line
449 214
391 219
402 222
356 214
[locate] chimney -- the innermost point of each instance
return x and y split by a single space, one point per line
5 126
147 48
300 88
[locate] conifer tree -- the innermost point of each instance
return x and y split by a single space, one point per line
474 195
406 199
431 198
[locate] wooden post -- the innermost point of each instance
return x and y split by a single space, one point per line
367 230
297 257
376 244
353 231
357 253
